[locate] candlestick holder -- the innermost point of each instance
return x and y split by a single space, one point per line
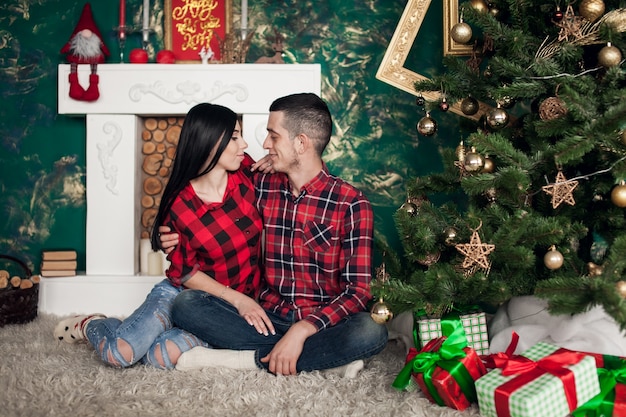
122 32
145 37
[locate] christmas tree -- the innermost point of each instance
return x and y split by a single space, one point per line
533 200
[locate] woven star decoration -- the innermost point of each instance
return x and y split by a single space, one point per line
475 252
561 191
571 25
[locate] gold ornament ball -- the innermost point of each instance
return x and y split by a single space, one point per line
427 126
488 165
381 313
620 287
449 235
473 161
479 5
469 106
410 208
461 33
609 56
618 195
497 118
623 136
591 9
595 270
553 259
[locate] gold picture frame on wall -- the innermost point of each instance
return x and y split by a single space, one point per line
192 24
392 70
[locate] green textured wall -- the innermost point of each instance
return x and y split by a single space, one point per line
375 146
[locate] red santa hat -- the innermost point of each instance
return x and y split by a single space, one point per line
86 21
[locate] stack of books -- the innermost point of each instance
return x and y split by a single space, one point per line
58 263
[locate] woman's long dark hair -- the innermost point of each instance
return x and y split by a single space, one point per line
205 127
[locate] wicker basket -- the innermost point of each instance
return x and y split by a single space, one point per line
18 305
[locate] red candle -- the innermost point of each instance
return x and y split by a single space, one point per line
122 13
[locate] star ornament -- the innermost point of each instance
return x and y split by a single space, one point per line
561 191
475 252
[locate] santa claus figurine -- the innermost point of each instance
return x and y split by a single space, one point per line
85 46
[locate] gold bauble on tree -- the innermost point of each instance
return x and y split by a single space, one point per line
591 9
410 208
469 106
479 5
620 287
609 56
449 235
623 136
553 259
427 126
618 194
461 32
473 162
488 165
381 313
497 118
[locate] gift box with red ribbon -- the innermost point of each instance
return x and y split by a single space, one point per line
612 398
445 370
545 381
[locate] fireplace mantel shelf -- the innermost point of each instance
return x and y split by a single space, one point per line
113 283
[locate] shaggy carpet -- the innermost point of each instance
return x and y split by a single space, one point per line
40 376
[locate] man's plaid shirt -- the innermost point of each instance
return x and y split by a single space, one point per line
318 248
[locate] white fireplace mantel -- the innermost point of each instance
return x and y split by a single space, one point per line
129 92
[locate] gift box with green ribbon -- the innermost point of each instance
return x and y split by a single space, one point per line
545 381
474 324
445 370
612 398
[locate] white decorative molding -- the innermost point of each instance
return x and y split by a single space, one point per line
105 155
188 92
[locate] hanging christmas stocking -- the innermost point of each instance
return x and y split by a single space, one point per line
76 90
92 93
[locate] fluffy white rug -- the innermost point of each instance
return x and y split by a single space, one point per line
40 376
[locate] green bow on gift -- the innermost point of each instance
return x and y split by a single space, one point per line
446 357
602 404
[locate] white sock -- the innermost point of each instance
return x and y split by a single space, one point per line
200 357
349 371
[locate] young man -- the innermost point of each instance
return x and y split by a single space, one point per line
317 263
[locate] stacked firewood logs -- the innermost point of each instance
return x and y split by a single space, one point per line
160 138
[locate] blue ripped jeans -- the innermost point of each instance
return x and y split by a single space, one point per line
146 330
219 324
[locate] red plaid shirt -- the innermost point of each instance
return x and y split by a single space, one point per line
318 248
222 240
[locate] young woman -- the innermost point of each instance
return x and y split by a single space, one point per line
209 201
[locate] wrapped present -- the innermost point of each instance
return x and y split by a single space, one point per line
545 380
474 325
445 370
612 398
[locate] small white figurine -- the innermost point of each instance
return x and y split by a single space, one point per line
206 55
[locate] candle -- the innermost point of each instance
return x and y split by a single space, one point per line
122 13
144 249
146 20
155 263
244 17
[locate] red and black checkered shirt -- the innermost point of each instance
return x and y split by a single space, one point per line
222 240
318 248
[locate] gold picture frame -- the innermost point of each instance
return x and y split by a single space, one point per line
451 18
392 70
190 24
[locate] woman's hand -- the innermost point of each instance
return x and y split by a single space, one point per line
263 165
254 314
